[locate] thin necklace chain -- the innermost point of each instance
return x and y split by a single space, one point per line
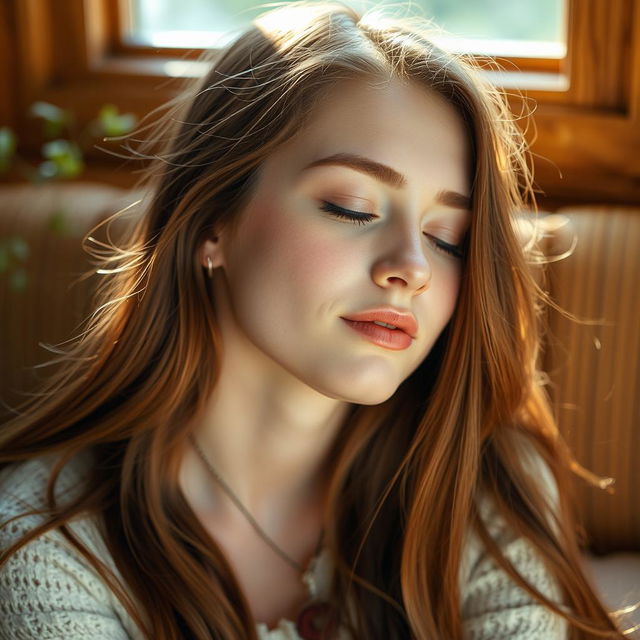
287 558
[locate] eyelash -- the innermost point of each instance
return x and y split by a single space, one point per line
362 218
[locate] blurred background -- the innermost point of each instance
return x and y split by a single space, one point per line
73 72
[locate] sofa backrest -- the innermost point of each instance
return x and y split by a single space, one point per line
594 363
43 295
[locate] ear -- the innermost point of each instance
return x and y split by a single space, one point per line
211 248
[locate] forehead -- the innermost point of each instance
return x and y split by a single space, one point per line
405 126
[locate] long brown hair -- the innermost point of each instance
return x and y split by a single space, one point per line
406 473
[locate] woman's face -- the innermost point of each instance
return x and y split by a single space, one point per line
293 269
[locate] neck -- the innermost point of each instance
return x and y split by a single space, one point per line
273 454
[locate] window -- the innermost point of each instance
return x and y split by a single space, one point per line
524 28
587 118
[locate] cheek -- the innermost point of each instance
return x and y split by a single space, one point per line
453 290
443 295
280 255
310 251
453 286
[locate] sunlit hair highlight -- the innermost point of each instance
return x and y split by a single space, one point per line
407 474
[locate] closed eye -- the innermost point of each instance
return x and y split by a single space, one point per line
355 216
454 250
360 217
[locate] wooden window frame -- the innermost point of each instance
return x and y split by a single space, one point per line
586 139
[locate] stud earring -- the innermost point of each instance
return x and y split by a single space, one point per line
209 267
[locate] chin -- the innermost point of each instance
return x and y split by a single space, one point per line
367 398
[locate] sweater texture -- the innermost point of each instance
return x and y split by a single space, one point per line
48 591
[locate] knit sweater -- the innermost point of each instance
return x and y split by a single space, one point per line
48 591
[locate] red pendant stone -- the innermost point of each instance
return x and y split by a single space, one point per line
316 621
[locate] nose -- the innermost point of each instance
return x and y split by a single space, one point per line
405 265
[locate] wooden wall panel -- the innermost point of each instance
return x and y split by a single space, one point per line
8 46
600 41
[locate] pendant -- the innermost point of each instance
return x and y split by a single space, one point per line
317 621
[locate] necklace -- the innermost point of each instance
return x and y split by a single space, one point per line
315 618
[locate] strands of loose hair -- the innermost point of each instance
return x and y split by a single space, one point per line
405 474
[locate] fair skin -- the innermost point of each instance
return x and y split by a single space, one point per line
291 367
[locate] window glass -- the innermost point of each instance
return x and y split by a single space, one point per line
527 28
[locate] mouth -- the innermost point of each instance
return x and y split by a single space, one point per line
376 332
391 318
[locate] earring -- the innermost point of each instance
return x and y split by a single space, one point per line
209 267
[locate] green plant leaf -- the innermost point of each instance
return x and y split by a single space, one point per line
7 147
54 118
64 159
112 123
47 111
47 170
56 149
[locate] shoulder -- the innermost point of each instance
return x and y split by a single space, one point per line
47 588
23 485
23 488
493 605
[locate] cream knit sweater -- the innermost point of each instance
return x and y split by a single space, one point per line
49 592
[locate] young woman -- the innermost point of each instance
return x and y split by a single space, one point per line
307 403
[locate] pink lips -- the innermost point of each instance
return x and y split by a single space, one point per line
400 338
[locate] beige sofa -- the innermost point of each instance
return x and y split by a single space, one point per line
594 369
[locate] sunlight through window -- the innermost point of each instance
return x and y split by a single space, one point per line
522 28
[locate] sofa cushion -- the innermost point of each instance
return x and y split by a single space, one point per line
617 578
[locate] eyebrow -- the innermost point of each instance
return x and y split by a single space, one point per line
388 175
